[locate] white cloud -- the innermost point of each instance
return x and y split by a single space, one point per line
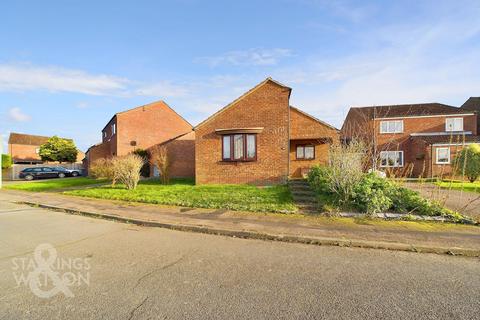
162 89
16 114
23 77
251 57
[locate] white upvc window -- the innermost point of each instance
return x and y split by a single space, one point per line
391 158
114 129
454 124
443 155
391 126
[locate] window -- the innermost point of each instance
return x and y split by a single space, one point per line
391 158
305 152
104 134
443 155
37 150
239 147
392 126
114 129
454 124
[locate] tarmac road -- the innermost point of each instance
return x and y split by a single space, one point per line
150 273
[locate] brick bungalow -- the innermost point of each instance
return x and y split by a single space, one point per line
416 140
138 128
25 148
260 139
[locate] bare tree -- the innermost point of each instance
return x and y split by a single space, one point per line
162 159
127 170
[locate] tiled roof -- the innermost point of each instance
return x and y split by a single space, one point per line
453 139
472 104
407 110
27 139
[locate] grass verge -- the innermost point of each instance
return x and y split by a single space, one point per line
186 193
54 184
460 185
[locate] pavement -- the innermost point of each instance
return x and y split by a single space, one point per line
468 203
408 236
153 273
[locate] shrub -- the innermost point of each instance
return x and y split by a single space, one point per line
127 170
6 161
145 172
102 168
467 162
318 178
371 194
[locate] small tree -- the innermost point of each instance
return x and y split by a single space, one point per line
160 158
127 170
6 161
58 149
467 162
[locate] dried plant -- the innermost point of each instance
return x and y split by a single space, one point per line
102 168
162 159
127 170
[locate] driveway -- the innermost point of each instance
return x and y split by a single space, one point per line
467 203
150 273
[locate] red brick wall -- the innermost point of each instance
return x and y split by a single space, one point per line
148 126
182 156
268 107
22 152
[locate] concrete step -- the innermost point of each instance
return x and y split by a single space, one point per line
303 199
298 182
299 187
303 192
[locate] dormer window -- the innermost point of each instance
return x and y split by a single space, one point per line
391 126
454 124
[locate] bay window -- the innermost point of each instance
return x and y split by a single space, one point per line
239 147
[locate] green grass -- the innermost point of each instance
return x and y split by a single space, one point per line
460 185
185 193
54 184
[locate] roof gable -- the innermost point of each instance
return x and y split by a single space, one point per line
261 84
313 118
472 104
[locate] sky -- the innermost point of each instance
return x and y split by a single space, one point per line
67 66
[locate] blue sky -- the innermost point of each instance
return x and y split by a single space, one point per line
67 66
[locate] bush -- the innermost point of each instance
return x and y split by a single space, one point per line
371 194
162 159
467 162
6 161
145 172
127 170
318 178
102 168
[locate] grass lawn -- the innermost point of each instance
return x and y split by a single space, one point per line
186 193
460 185
48 185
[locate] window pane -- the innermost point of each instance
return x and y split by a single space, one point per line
449 124
226 147
251 148
443 155
399 126
309 152
238 146
383 126
300 152
383 158
458 124
391 126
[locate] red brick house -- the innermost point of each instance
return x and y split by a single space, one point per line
138 128
260 139
412 140
25 148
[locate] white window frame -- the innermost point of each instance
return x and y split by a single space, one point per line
397 126
37 150
436 155
388 156
447 120
114 129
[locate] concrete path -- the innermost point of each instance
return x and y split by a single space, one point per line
295 228
467 203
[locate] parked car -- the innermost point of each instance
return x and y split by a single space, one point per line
47 172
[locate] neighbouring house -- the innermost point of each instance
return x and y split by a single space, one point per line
25 148
415 140
138 128
260 139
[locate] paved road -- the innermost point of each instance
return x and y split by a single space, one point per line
150 273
